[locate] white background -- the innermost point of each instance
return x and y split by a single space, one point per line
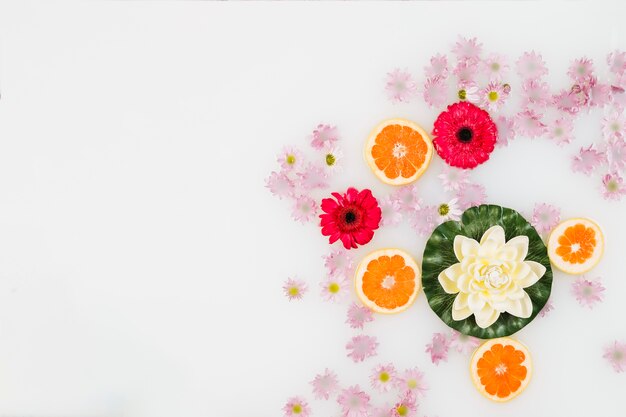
141 257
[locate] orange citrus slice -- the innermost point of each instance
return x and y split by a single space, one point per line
388 280
501 369
576 245
398 151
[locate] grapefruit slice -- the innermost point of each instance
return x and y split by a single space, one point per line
398 151
387 281
501 369
576 245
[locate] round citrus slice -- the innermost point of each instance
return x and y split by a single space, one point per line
501 369
387 281
576 245
398 151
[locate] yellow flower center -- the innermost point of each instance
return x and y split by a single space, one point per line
334 288
291 159
384 377
444 209
402 410
293 291
493 96
330 159
411 383
297 409
462 94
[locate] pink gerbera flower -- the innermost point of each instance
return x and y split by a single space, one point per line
406 406
494 96
453 179
438 348
294 289
280 185
531 65
614 125
613 186
383 377
587 160
290 158
358 316
548 307
615 353
354 402
361 347
400 86
325 385
351 217
424 220
471 195
545 217
463 343
438 67
313 177
435 91
304 209
506 130
580 69
561 130
390 209
339 262
617 62
528 123
495 66
587 292
412 380
535 92
335 288
324 135
407 198
296 407
469 91
467 48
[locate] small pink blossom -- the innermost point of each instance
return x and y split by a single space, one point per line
466 69
580 69
412 380
531 65
280 185
600 93
400 86
294 289
467 48
561 130
290 158
390 209
536 92
567 101
438 348
435 91
296 407
528 123
615 353
361 347
407 198
615 151
406 405
335 288
545 217
613 186
438 67
358 316
383 377
494 96
304 209
495 66
548 307
313 177
324 135
354 402
614 125
463 343
325 385
424 220
506 130
587 292
469 91
453 179
617 62
471 195
587 160
339 262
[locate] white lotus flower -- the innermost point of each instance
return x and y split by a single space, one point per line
490 277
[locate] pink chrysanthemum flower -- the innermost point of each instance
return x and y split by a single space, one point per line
545 217
400 86
324 135
495 66
332 156
561 130
471 195
615 353
535 92
280 185
304 209
361 347
412 380
466 69
406 406
580 69
506 130
383 377
467 48
358 316
600 94
531 65
294 289
407 198
618 93
615 151
339 262
617 62
290 158
494 96
528 123
448 211
453 179
313 177
424 220
438 67
296 407
613 186
567 101
438 348
325 385
548 307
463 343
354 402
435 91
587 292
390 209
469 91
614 125
335 288
587 160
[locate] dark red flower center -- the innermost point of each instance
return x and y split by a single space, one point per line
349 218
464 134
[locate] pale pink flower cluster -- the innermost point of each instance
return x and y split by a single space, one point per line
545 217
615 354
438 348
362 347
588 292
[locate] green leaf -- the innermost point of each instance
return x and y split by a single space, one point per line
439 255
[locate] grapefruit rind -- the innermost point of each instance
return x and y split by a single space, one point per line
567 267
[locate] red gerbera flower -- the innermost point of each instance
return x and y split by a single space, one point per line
351 217
465 135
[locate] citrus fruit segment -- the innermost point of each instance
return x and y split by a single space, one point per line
576 245
398 151
501 369
387 281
